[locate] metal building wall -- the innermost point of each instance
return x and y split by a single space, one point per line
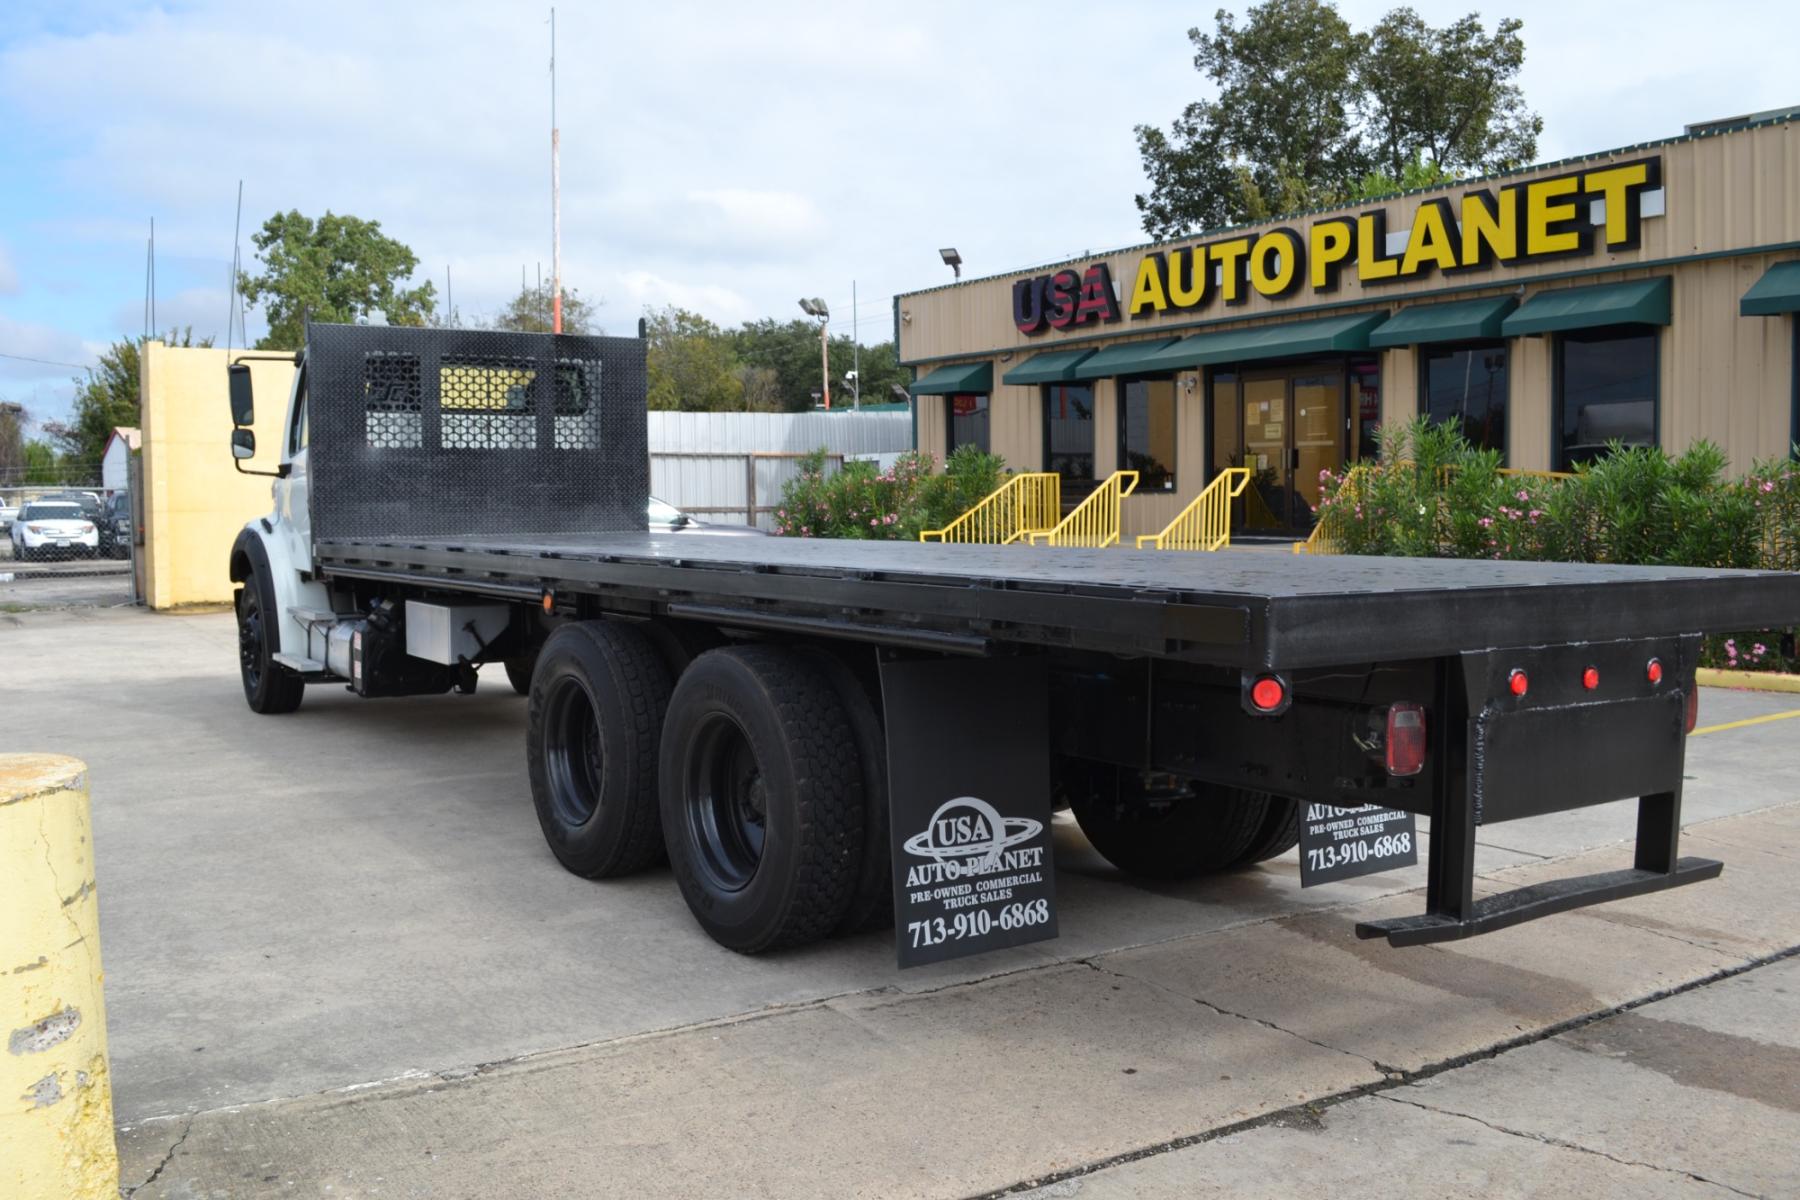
719 465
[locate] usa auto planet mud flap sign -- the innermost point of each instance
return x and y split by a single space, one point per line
1342 843
969 796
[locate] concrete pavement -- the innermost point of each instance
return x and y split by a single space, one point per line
359 893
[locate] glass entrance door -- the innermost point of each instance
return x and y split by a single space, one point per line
1293 429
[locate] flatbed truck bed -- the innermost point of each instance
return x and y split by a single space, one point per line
830 736
1244 610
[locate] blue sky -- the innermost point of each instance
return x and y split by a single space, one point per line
726 157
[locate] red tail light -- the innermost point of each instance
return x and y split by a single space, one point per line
1691 706
1267 693
1590 678
1517 682
1405 738
1653 670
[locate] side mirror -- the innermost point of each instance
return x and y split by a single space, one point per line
243 443
243 403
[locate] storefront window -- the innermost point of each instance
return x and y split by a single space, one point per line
1605 391
1227 438
1466 385
1147 432
1069 434
967 424
1365 402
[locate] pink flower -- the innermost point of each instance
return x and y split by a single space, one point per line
1524 495
1759 649
1485 522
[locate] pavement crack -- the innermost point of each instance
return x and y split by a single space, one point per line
1391 1072
187 1127
1560 1143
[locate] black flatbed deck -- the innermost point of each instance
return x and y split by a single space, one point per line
1236 609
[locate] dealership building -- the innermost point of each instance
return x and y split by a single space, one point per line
1645 295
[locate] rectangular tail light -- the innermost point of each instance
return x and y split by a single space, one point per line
1405 739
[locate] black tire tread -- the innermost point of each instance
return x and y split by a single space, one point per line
872 901
640 680
1199 836
278 691
828 785
1280 832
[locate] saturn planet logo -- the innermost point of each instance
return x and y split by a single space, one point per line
969 828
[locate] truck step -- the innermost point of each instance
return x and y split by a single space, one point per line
299 665
308 616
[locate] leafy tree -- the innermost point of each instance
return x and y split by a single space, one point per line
691 363
107 397
12 442
44 467
338 268
1378 183
1446 96
1307 108
531 311
791 350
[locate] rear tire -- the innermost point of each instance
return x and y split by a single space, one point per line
872 903
519 669
762 800
1280 831
598 695
1174 833
269 688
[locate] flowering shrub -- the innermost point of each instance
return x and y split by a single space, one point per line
1434 495
861 501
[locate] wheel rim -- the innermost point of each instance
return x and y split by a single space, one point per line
727 803
250 643
572 755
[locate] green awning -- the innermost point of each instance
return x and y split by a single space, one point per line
1639 302
1052 366
1286 340
955 380
1777 292
1128 359
1458 321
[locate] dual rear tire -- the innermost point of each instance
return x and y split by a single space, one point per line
1180 829
753 772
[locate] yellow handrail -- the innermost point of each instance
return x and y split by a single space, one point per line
1205 524
1095 521
1026 503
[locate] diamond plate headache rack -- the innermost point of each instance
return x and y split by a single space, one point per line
419 433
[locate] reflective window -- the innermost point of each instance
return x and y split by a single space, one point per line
1365 399
1605 391
1466 385
1147 432
1227 438
968 423
1069 433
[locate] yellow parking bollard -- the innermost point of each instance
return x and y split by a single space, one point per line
56 1129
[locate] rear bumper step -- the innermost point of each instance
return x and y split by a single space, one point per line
1538 900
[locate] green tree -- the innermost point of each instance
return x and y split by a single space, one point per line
106 398
338 268
12 442
1446 96
531 311
44 467
1307 108
691 364
1378 183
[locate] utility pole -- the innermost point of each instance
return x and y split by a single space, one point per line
855 355
555 193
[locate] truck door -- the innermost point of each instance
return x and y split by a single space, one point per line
293 494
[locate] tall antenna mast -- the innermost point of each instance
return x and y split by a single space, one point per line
555 193
231 306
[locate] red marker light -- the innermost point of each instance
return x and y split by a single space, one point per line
1405 739
1691 717
1267 693
1653 670
1590 678
1517 682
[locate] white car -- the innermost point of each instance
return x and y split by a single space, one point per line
8 511
53 529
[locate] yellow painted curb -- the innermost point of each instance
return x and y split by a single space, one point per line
1760 681
56 1128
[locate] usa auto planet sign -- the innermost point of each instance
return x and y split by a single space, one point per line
973 874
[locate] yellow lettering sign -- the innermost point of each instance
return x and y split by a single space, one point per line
1490 227
1275 263
1431 244
1190 277
1331 241
1148 293
1549 214
1618 189
1372 263
1230 257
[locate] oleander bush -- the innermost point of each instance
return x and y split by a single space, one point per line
1432 495
859 500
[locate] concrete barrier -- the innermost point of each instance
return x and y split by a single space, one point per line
56 1128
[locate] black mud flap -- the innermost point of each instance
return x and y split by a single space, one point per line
1591 724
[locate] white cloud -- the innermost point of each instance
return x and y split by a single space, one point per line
642 290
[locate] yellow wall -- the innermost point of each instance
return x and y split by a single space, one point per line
195 501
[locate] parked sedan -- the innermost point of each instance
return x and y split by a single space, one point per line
8 511
666 518
54 529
